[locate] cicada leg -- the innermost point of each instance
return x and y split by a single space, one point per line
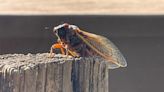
69 52
74 54
56 46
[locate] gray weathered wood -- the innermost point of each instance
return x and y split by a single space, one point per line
37 73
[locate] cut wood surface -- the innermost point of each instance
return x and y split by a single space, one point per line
81 7
37 73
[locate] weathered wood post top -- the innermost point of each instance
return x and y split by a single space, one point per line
38 73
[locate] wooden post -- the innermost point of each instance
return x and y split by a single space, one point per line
37 73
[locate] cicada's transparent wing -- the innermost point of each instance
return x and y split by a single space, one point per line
105 48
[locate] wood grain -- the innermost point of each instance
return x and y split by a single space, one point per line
37 73
100 7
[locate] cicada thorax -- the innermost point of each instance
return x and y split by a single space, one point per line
77 45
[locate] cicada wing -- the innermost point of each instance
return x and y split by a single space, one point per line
106 48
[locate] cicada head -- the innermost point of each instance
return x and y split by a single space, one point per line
63 30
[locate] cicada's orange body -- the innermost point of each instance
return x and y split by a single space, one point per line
77 43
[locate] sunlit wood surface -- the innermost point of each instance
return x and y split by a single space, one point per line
81 7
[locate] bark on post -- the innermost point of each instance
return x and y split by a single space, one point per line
37 73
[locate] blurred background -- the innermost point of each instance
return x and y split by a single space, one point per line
140 38
135 26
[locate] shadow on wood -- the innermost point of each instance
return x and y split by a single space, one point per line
37 73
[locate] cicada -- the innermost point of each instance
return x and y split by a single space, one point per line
78 43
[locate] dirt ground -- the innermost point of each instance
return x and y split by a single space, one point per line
81 7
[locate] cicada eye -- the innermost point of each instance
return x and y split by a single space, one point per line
55 32
73 27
